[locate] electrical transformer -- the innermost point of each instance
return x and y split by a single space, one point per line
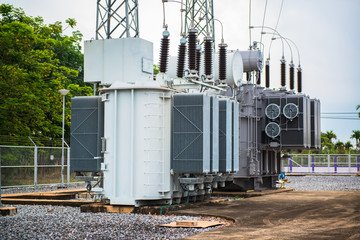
182 134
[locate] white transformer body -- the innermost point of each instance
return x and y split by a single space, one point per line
136 120
137 133
127 60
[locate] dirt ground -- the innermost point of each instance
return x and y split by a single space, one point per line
288 215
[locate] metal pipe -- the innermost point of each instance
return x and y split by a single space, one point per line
0 179
127 18
115 136
132 143
108 22
97 20
35 162
62 143
68 164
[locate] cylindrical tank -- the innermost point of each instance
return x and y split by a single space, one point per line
234 68
137 133
252 60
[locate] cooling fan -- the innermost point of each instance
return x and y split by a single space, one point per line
290 111
272 129
272 111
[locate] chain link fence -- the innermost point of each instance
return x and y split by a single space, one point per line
34 165
322 163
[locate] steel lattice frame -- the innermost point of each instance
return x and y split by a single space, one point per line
117 19
199 14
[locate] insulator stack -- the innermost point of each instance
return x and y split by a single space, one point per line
292 76
222 61
282 72
208 55
181 58
192 48
258 77
198 57
164 51
267 74
299 76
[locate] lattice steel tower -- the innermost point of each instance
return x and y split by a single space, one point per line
117 19
199 14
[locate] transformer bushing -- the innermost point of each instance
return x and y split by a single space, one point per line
208 56
192 39
164 51
181 58
222 61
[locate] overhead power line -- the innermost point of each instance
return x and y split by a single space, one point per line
340 113
342 118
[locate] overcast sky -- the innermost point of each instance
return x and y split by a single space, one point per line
327 33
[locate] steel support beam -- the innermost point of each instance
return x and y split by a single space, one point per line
199 14
117 19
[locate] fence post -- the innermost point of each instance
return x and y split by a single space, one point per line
335 164
309 162
35 161
313 164
358 163
35 165
328 159
349 158
68 165
0 178
290 164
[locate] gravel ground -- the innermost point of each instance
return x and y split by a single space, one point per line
41 188
323 183
52 222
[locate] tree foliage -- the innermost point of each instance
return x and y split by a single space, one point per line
356 135
36 60
327 140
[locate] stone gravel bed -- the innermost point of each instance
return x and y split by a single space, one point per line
54 222
323 183
57 222
41 188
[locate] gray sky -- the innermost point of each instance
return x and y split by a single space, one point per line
326 32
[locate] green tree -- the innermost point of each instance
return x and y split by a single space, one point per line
348 147
36 60
356 136
357 108
326 140
339 147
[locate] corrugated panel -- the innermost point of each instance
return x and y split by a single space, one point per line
315 124
313 109
87 128
236 144
214 133
318 121
295 132
225 135
191 133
